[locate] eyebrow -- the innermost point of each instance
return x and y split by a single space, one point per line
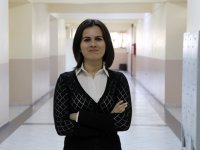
90 37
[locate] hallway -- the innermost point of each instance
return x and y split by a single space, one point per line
148 131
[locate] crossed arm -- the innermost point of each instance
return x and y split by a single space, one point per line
89 123
119 108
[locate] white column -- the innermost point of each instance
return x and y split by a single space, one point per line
4 63
190 92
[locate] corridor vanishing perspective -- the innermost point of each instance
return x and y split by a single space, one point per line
156 45
148 130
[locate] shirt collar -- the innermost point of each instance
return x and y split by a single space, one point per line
103 70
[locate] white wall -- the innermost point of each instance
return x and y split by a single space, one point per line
159 51
174 52
40 31
29 52
4 63
151 33
121 57
62 46
193 11
20 53
175 27
130 41
40 51
4 31
20 22
70 60
150 41
53 51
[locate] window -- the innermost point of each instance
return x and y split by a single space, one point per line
119 39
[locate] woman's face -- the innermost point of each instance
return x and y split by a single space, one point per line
92 44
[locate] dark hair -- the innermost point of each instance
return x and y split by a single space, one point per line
109 52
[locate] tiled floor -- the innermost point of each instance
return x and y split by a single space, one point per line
148 131
176 111
16 111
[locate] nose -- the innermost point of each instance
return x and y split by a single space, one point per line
93 43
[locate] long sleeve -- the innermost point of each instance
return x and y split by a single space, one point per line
63 125
108 121
122 121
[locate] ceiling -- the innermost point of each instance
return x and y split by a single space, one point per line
114 21
118 15
94 1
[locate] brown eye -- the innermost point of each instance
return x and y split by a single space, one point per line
99 39
86 39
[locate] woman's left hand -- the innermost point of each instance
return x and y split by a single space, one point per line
120 107
73 116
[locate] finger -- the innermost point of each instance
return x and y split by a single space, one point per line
122 110
123 105
119 103
122 102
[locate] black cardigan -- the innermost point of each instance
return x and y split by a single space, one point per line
97 127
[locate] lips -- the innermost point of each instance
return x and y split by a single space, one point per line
93 50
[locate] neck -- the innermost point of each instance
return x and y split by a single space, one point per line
92 67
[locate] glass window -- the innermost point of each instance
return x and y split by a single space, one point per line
119 39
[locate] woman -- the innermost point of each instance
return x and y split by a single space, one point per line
92 103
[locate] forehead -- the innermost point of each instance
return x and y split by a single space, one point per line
92 31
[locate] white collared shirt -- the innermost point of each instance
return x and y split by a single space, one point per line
95 85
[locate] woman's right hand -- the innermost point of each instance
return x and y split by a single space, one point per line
120 107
